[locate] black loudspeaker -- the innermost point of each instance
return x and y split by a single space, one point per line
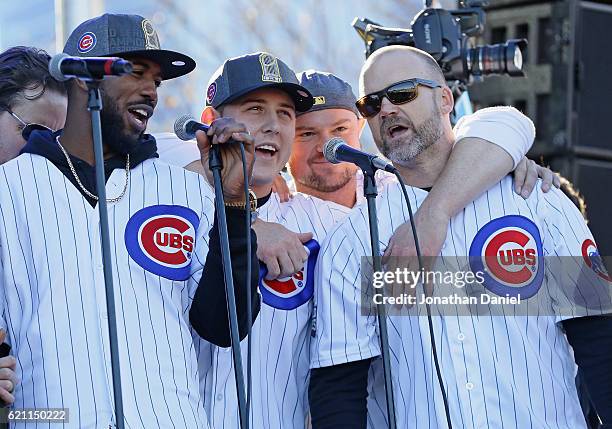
567 92
592 110
590 139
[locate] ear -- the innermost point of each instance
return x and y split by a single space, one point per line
447 101
209 114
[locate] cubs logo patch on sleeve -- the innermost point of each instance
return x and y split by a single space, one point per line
508 250
593 259
289 293
161 239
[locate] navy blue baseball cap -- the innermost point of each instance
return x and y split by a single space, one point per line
240 75
329 91
126 36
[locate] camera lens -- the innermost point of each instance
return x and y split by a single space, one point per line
502 58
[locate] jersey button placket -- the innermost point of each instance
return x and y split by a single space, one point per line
460 347
100 293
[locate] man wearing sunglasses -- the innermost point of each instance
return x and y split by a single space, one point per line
30 98
507 370
166 265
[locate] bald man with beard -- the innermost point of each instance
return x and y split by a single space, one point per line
510 370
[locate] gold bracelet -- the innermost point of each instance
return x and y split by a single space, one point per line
242 205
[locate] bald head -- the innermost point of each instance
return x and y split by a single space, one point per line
396 63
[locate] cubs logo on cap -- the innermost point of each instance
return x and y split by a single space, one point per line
291 292
211 92
508 250
161 239
593 259
87 42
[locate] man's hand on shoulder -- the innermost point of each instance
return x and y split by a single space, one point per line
280 187
281 250
527 173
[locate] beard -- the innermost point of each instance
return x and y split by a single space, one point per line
322 183
404 152
114 133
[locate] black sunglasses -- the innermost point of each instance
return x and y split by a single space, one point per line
27 128
398 93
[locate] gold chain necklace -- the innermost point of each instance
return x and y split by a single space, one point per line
84 189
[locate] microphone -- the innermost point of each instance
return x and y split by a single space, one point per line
337 151
63 67
186 126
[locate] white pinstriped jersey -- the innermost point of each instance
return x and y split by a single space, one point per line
280 336
53 300
506 371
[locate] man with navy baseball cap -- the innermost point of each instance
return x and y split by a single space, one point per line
333 114
259 73
262 92
166 271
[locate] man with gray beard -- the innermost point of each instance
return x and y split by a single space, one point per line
405 153
510 370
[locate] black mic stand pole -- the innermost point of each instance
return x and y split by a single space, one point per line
94 105
215 164
370 192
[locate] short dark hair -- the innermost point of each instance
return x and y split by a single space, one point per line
25 68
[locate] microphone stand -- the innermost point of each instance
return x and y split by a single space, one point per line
370 192
94 105
215 164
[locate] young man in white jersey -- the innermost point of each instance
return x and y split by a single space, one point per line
505 371
166 279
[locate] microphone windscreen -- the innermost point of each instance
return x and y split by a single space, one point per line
180 127
55 68
330 148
